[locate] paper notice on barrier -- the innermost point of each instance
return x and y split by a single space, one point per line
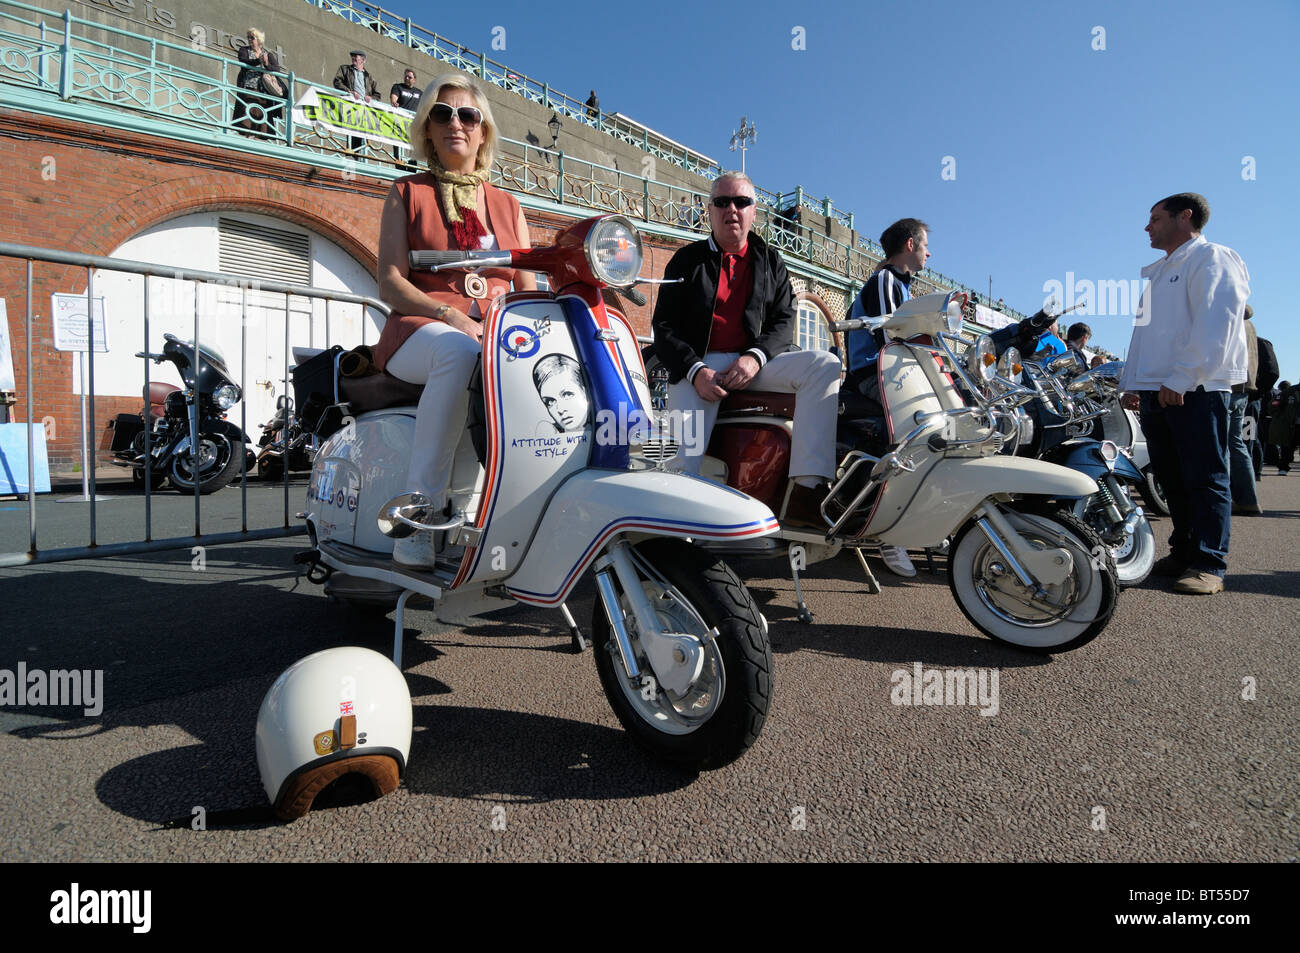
71 326
6 352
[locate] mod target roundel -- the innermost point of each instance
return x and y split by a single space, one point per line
520 341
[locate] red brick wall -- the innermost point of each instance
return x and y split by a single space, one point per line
88 189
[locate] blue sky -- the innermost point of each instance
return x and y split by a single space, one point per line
1059 149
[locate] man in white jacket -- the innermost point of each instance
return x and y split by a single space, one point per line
1188 349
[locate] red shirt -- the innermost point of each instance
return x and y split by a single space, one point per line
735 283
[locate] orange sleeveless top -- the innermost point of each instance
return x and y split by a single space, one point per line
427 228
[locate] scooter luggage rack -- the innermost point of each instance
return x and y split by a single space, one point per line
844 485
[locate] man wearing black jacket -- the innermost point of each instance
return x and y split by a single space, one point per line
729 325
1245 502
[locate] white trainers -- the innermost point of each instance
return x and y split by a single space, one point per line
897 561
417 551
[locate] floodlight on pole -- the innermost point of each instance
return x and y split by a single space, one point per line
742 138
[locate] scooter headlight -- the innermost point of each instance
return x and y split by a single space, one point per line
614 251
226 396
980 359
1009 366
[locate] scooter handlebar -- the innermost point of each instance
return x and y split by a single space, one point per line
446 260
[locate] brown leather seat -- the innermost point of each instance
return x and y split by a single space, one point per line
157 396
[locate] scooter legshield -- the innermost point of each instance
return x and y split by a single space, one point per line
550 366
594 505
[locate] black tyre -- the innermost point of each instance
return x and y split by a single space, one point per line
720 714
992 598
1154 495
218 463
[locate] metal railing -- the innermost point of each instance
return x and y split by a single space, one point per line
92 263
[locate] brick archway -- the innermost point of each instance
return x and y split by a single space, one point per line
174 198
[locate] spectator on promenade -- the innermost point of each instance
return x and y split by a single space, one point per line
405 95
254 114
355 80
593 105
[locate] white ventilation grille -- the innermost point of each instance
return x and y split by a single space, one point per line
256 251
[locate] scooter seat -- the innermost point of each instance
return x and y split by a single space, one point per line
776 403
377 392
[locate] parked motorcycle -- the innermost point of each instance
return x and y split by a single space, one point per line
552 480
925 467
284 439
158 439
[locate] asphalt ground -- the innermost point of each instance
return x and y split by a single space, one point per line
1171 737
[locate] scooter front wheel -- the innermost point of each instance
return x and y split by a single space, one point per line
721 713
1072 613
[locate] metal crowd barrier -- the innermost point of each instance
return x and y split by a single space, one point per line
31 254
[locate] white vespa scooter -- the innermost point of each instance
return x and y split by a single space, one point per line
558 484
1023 571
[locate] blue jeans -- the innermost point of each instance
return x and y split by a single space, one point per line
1256 446
1240 463
1189 453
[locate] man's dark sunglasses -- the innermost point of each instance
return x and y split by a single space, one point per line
441 113
740 201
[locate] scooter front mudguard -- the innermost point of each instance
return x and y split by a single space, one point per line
925 508
593 506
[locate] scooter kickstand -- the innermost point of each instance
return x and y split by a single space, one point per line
797 557
398 627
873 585
575 633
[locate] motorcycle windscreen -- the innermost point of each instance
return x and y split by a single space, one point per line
539 414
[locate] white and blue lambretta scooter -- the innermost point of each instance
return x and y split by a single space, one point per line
558 484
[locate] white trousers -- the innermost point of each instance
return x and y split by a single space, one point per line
442 359
814 379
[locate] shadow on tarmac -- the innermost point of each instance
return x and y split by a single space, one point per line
199 650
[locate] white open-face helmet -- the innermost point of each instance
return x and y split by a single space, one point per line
340 711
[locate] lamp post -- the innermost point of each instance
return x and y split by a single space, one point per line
742 138
553 124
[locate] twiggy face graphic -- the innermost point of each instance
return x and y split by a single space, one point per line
559 384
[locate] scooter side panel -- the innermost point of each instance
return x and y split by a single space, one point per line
594 505
540 428
925 508
357 470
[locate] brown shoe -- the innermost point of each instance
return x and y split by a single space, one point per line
1247 509
802 510
1171 567
1199 583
